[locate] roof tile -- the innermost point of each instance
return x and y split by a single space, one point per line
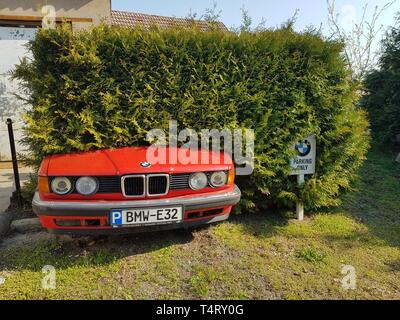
134 19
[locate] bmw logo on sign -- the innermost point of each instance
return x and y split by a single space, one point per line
303 148
145 164
303 160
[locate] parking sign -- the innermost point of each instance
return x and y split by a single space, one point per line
304 160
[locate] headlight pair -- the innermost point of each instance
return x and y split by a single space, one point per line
199 180
84 185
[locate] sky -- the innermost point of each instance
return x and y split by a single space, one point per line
311 12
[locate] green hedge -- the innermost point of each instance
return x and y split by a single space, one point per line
107 87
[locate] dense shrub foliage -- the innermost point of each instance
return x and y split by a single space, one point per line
108 87
382 99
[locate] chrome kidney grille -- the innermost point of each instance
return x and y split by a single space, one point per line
133 186
145 185
157 184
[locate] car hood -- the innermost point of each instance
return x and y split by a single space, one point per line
130 160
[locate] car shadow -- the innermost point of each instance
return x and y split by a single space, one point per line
32 252
140 243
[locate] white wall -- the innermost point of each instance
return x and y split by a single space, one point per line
12 48
12 41
95 9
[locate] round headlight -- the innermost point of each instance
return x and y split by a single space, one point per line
198 180
86 185
218 179
61 185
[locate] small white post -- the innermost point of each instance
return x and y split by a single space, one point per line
300 205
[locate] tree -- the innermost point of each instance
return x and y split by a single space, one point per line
382 86
211 15
359 38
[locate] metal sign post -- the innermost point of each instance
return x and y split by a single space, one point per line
299 204
303 163
14 161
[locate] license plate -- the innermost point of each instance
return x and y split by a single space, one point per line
141 216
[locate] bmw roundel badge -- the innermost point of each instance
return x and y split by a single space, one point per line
303 148
145 164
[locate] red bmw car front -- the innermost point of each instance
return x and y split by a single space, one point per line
119 190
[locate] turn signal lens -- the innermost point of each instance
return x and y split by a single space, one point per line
43 184
231 177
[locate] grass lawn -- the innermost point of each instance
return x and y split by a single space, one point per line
254 256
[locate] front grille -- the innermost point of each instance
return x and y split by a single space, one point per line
179 181
157 184
133 186
109 184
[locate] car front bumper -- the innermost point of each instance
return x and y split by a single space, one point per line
49 211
